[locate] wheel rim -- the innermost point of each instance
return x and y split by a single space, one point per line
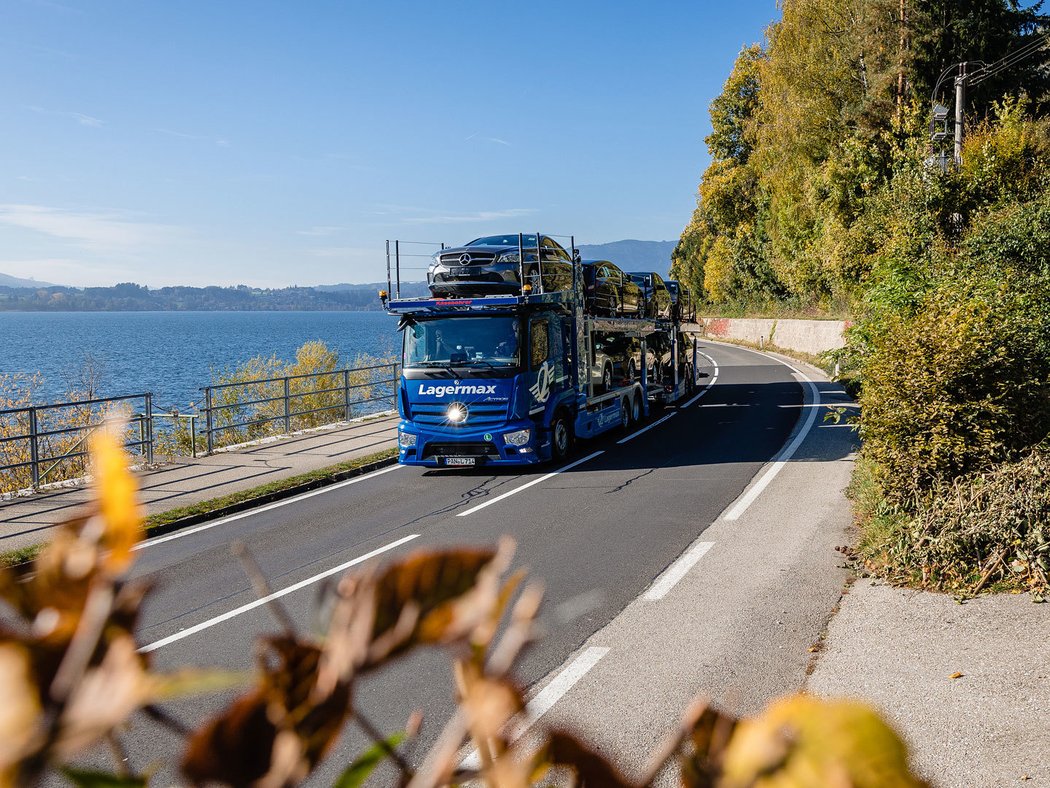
561 437
607 379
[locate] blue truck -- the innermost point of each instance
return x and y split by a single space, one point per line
509 379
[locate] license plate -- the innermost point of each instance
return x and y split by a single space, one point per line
460 460
459 271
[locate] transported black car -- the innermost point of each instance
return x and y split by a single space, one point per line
659 364
682 306
609 291
657 299
490 266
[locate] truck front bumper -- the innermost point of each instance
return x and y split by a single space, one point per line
507 445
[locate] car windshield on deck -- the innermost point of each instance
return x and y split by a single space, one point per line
504 240
462 341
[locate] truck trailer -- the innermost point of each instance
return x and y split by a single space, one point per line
510 379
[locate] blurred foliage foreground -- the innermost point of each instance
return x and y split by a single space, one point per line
71 676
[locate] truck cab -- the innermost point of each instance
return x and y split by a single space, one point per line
483 387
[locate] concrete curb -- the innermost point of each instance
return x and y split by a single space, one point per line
261 500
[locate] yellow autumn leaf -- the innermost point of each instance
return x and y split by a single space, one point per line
19 712
802 741
117 498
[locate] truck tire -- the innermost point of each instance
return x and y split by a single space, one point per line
636 408
625 414
561 437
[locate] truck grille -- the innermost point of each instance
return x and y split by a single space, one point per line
474 449
479 415
476 258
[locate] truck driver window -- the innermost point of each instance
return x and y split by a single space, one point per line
539 334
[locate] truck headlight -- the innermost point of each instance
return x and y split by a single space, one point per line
406 440
518 438
456 413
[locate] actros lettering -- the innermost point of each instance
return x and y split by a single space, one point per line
459 388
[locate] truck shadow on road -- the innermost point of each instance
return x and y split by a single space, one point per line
749 423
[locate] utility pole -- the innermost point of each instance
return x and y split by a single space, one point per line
965 79
960 106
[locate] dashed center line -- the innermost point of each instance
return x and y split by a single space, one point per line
645 429
525 486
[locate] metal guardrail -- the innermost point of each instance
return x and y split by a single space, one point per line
38 440
40 431
333 392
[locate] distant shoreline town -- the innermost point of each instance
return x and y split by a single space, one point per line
136 298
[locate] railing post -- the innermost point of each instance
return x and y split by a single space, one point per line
287 410
346 392
149 428
208 419
193 435
34 450
142 432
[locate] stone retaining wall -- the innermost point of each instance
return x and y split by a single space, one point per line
803 336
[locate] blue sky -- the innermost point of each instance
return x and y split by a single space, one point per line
277 143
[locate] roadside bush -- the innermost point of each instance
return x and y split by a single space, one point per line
984 528
958 387
61 431
318 396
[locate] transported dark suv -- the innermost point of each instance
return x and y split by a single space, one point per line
490 266
682 306
657 299
609 291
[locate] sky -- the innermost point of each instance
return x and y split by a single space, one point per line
276 143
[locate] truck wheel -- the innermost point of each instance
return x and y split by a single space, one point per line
632 371
625 414
561 437
636 409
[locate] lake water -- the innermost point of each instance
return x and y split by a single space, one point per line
173 354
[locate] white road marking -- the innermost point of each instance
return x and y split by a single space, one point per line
676 571
703 391
185 633
546 698
752 493
525 486
634 435
707 388
259 510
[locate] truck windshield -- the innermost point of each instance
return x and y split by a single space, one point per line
484 341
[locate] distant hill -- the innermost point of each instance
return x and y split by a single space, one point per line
633 255
13 281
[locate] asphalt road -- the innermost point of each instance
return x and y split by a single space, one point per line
597 534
